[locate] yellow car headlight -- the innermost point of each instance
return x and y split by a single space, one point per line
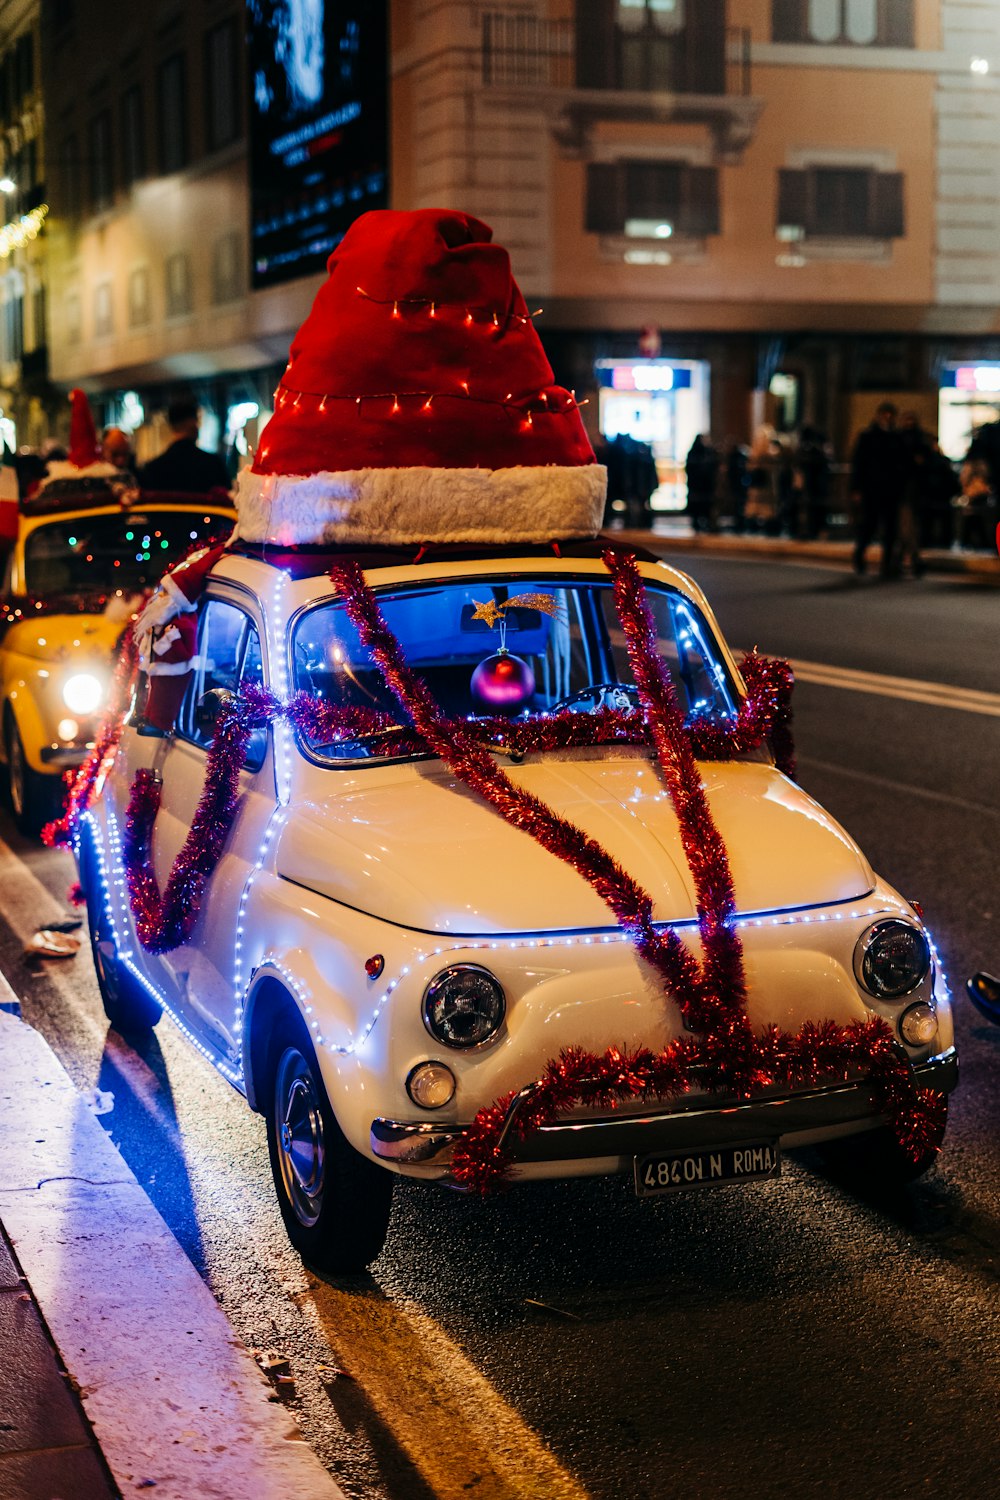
83 693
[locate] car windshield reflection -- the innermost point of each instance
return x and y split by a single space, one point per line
96 554
515 647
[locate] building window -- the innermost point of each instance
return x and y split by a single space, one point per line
69 178
101 176
74 319
652 199
138 297
840 203
222 112
133 137
39 318
172 112
178 285
227 280
674 46
24 66
104 321
854 23
13 326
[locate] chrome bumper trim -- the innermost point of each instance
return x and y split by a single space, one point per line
694 1121
65 756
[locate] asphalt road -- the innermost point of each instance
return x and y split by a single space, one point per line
568 1340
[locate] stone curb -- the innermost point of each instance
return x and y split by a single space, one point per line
172 1394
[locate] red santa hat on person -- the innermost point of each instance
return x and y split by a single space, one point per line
83 461
418 404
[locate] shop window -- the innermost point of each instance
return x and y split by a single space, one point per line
101 174
675 46
652 199
854 23
172 110
222 112
133 136
840 203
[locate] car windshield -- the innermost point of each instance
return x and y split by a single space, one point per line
520 647
101 553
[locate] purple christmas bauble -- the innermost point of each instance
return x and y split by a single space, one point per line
503 683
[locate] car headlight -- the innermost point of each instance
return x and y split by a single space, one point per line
82 693
891 958
464 1006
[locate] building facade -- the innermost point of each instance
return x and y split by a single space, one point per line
730 211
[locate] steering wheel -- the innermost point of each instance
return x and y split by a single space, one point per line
595 690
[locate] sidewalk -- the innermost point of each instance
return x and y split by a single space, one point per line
118 1371
672 533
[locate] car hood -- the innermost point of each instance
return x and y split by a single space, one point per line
424 852
69 637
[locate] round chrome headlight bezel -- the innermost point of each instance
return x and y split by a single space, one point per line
870 952
464 1007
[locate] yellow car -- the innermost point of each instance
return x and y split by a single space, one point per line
81 561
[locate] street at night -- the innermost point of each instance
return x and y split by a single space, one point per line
798 1336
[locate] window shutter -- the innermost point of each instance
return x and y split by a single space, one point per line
896 23
793 198
788 20
704 69
605 209
595 44
887 206
700 212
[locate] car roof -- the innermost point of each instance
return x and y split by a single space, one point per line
316 562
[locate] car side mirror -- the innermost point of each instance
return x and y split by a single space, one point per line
209 707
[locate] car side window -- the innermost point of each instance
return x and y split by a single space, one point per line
228 657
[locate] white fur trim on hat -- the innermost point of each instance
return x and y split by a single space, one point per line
61 468
394 507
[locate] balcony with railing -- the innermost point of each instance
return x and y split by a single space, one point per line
596 69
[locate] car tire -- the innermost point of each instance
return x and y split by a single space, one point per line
335 1203
129 1008
34 798
876 1159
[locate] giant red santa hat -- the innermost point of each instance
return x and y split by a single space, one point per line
418 403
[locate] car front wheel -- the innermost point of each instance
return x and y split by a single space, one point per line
335 1203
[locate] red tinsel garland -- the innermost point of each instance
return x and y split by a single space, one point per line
729 1058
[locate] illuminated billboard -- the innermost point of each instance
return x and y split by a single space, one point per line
319 128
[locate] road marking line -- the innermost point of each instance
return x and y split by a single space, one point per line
456 1429
912 689
830 768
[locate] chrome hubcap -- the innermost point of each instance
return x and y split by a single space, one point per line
299 1128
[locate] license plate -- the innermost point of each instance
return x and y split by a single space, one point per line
719 1166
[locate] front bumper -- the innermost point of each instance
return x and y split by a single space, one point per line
693 1121
64 757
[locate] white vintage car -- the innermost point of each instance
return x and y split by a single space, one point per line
379 955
